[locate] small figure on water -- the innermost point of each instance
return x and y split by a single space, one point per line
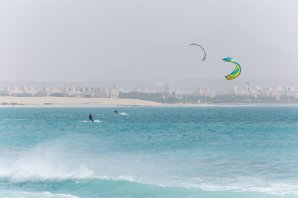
116 112
91 117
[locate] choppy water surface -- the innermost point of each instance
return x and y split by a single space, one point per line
214 152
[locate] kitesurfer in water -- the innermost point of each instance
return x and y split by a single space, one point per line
91 117
116 112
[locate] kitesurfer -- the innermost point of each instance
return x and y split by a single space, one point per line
116 112
91 117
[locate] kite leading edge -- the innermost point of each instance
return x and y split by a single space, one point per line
236 71
195 44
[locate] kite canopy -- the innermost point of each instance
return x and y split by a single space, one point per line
236 71
202 49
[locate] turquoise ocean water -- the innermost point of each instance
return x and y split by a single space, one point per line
208 152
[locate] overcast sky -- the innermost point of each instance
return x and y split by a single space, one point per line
95 40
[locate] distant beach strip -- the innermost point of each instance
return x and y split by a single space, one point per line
72 101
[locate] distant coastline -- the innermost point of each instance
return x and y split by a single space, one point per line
11 101
72 101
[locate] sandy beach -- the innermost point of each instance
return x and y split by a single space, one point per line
71 101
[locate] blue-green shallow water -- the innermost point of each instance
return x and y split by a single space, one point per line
214 152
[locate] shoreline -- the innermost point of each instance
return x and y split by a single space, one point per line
10 101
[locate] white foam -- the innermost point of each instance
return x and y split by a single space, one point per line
243 184
43 163
50 163
123 114
44 172
21 194
85 121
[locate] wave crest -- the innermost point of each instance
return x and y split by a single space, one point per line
18 194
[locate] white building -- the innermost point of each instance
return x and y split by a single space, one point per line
114 91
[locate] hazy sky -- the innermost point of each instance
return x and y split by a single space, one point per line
94 40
